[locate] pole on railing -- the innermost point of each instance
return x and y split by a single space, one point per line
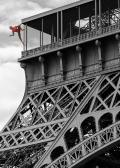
70 28
57 26
96 15
79 19
119 9
26 37
100 15
61 26
40 38
42 31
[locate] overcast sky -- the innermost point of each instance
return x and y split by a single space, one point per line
12 82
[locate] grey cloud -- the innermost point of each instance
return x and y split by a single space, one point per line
6 40
52 3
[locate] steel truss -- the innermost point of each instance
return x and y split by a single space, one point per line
88 147
104 98
39 119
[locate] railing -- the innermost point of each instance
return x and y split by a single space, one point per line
88 147
73 40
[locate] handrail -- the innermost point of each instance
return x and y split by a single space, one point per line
97 141
72 40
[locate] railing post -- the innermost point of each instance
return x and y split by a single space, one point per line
100 15
26 37
90 23
42 33
68 160
119 9
52 34
70 28
61 26
115 132
79 18
97 130
114 128
83 150
40 38
96 15
57 27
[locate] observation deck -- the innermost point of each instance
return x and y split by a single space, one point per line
72 41
68 26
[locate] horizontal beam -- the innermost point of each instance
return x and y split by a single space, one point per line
29 135
26 145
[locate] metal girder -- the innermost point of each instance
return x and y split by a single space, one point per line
42 115
90 146
103 99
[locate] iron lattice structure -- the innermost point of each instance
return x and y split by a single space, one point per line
100 113
48 111
70 113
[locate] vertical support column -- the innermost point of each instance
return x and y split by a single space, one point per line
57 26
59 54
79 50
119 9
90 23
26 38
98 44
100 15
42 31
61 26
95 14
117 37
109 17
52 35
79 18
70 28
40 38
41 59
118 4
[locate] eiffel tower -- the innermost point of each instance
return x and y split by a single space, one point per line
70 113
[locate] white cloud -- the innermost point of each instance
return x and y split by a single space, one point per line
53 3
10 54
11 89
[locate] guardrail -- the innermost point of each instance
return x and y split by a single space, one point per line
73 40
88 147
